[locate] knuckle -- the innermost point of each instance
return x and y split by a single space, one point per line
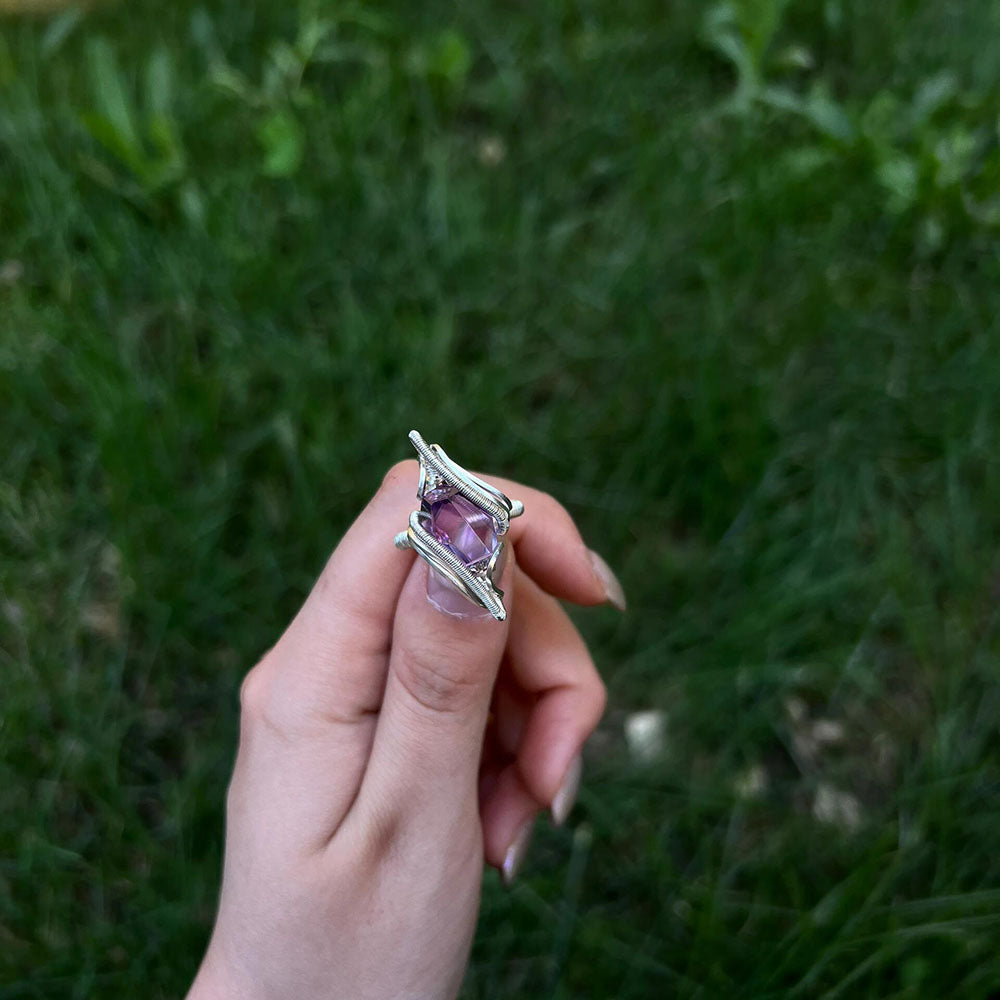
552 519
555 510
260 708
380 837
253 693
439 684
596 692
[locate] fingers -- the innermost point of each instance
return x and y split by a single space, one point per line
549 661
508 812
396 692
548 700
429 735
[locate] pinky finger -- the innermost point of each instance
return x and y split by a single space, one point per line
508 815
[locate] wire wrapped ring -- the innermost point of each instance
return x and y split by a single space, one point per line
459 529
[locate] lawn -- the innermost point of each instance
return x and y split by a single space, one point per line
722 276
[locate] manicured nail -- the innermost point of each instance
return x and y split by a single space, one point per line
565 798
613 592
514 857
444 596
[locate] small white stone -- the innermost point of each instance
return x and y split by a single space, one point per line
645 734
751 783
103 619
827 732
836 808
492 151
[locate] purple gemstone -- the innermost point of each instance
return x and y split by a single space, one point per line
440 493
471 534
466 529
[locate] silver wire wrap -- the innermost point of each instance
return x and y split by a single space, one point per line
474 582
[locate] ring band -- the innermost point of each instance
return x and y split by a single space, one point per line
458 529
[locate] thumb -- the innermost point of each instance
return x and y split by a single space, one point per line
442 669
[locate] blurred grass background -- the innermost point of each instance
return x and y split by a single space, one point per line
723 277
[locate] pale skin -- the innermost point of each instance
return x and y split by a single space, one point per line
386 750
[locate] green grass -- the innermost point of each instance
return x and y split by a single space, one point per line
743 325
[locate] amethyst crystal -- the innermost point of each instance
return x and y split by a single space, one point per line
469 532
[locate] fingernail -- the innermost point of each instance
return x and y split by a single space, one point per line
443 596
613 592
514 857
565 798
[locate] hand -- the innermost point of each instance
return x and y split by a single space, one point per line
372 776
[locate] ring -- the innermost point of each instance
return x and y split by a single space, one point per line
458 530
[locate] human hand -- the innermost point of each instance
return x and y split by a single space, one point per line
386 749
